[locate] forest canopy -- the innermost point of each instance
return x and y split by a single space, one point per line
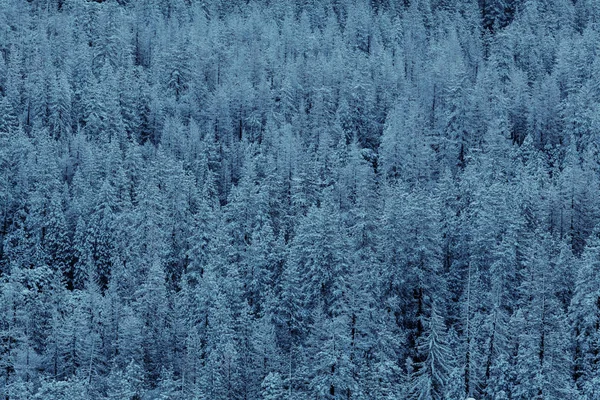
310 199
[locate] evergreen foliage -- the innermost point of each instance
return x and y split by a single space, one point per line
270 199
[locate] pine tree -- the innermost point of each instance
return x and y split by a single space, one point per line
153 309
543 362
127 384
330 370
430 377
221 375
272 387
60 118
9 123
584 315
57 242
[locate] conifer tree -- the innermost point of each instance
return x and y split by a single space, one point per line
430 377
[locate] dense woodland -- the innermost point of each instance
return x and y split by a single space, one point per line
320 199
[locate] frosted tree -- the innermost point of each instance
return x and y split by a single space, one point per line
583 312
272 387
430 377
153 309
543 361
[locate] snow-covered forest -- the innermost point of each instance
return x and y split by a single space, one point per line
310 199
